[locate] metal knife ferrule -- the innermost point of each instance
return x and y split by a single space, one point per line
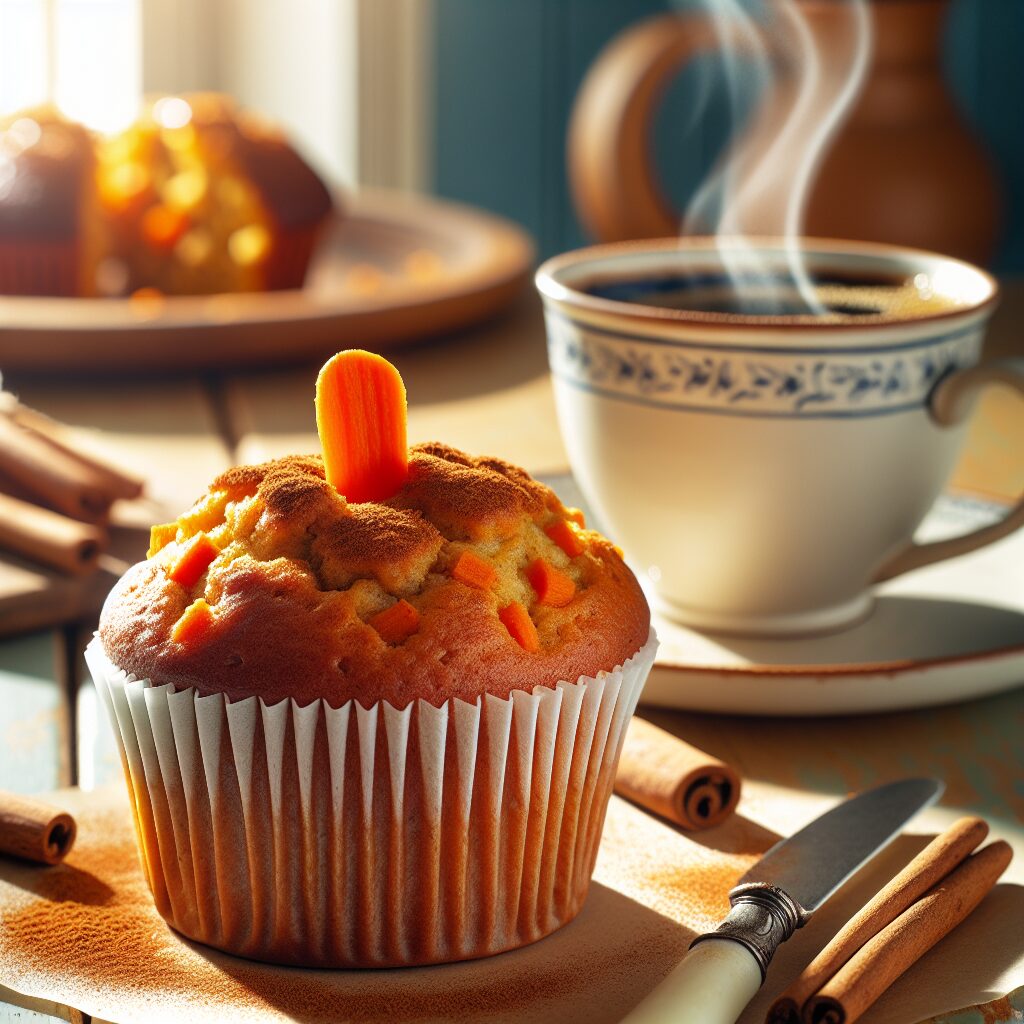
761 919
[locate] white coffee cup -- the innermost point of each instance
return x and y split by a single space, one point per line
765 471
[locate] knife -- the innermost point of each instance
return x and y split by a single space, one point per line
725 968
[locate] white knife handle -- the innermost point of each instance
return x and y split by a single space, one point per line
724 968
712 985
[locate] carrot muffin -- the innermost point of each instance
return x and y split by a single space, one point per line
377 732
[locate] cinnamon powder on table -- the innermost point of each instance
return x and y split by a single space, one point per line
86 933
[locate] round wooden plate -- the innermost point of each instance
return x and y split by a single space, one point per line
395 269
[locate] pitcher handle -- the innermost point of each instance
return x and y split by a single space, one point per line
950 403
611 177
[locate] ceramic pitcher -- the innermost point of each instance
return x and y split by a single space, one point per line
903 168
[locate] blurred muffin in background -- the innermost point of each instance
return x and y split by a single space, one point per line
46 187
199 197
196 197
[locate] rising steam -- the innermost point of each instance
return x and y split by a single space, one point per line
762 186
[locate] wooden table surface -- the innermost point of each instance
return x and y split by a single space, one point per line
486 390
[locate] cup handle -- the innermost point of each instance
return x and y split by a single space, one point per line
950 403
608 147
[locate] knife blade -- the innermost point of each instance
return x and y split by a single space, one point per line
725 968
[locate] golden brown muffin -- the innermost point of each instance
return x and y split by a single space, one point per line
290 601
46 171
197 197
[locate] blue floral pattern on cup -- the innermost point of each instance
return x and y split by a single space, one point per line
765 381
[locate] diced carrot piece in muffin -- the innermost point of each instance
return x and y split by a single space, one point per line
361 419
396 623
193 561
551 585
160 536
517 621
576 515
472 570
566 538
194 623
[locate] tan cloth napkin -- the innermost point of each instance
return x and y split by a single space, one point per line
85 934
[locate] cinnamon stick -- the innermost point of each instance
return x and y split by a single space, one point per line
34 830
50 475
903 942
48 537
661 772
930 866
115 481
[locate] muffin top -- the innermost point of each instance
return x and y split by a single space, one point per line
293 193
471 579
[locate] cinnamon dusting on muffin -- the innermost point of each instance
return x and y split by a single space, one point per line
397 547
467 497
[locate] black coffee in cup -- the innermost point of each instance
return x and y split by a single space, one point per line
839 297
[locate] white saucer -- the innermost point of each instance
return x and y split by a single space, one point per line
946 633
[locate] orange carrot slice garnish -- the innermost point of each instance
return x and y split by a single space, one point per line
474 571
566 538
553 587
396 623
194 623
519 624
361 417
193 561
160 536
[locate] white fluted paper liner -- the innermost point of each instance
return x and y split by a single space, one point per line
370 837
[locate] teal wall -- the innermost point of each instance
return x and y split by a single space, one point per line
507 71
